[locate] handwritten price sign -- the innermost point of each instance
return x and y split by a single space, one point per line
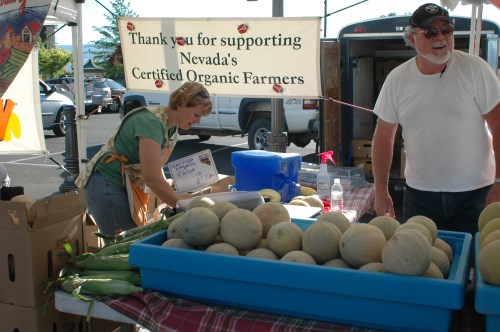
194 172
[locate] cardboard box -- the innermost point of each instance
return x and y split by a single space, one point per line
44 318
387 301
35 254
361 148
367 164
103 325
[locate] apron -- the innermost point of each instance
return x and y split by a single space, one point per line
137 194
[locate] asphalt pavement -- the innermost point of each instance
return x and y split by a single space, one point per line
41 176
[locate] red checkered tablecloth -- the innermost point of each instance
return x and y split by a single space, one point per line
359 202
158 312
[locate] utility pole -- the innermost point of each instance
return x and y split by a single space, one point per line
277 139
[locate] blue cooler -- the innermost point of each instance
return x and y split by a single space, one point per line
259 169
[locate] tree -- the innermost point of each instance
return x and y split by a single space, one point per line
109 53
52 61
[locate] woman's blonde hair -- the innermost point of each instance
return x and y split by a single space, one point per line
191 94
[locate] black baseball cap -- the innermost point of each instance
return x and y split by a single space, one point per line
428 13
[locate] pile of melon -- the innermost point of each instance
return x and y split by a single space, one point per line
488 260
383 245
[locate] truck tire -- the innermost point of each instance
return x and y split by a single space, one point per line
257 134
204 138
114 106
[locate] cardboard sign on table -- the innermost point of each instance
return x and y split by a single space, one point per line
193 172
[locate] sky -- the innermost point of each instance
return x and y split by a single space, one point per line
93 13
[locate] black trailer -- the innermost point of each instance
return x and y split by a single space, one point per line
369 50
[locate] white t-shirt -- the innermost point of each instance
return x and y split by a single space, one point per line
447 143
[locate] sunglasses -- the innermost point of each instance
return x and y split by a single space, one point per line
433 32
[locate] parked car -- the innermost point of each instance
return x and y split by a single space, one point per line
52 106
99 92
117 90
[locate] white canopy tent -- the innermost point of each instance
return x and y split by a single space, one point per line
69 12
476 19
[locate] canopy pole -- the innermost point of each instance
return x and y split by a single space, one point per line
472 37
477 39
79 86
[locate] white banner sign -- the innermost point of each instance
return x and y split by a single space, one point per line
261 57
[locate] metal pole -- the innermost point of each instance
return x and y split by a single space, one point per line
71 154
77 31
325 18
277 139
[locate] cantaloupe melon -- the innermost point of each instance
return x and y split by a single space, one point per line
262 243
314 201
337 262
177 243
199 226
321 241
407 252
417 227
361 244
173 230
200 201
284 237
386 224
489 212
263 253
489 227
223 248
241 228
488 262
428 223
440 258
298 256
495 235
220 208
298 202
337 218
271 213
372 267
433 271
444 246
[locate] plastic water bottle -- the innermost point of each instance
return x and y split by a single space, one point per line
337 196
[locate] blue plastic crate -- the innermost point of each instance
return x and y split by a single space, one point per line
487 297
386 301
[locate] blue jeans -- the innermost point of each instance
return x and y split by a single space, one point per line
451 211
108 205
